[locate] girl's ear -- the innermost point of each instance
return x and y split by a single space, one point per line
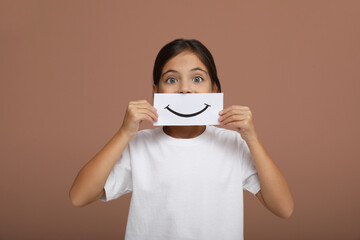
155 89
214 88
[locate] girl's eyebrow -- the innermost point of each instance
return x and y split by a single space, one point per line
169 71
192 70
200 69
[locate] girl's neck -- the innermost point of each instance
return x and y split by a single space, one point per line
184 131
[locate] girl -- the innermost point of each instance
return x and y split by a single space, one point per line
186 181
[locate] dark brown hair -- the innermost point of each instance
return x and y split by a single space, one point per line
179 45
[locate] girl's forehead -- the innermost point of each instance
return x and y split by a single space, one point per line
183 61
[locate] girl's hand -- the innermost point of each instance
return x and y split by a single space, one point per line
239 117
136 112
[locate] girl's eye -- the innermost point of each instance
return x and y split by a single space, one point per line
198 79
171 80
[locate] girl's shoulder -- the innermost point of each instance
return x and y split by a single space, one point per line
146 135
224 133
225 136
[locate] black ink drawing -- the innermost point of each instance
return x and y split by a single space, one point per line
187 115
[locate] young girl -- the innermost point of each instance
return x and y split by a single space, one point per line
186 181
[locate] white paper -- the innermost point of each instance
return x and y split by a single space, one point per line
177 109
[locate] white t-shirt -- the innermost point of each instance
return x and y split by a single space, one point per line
184 189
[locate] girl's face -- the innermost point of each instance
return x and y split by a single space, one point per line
185 73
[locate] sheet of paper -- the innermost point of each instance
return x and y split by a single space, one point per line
176 109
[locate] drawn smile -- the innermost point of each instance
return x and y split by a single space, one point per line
187 115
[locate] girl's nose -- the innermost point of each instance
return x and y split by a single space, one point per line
184 88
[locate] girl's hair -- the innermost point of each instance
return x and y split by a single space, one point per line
180 45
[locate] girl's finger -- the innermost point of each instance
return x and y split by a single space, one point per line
148 118
144 117
149 108
234 118
234 124
234 107
233 112
149 113
138 102
143 104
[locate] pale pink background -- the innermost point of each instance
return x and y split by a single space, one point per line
68 69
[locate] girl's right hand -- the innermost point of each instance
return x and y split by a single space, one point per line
136 112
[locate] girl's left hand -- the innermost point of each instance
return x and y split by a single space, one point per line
239 117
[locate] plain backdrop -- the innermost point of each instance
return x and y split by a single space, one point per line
69 68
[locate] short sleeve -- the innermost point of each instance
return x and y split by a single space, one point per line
250 177
119 181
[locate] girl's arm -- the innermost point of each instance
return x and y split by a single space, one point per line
89 184
275 194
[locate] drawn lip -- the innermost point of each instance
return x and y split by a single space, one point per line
187 115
